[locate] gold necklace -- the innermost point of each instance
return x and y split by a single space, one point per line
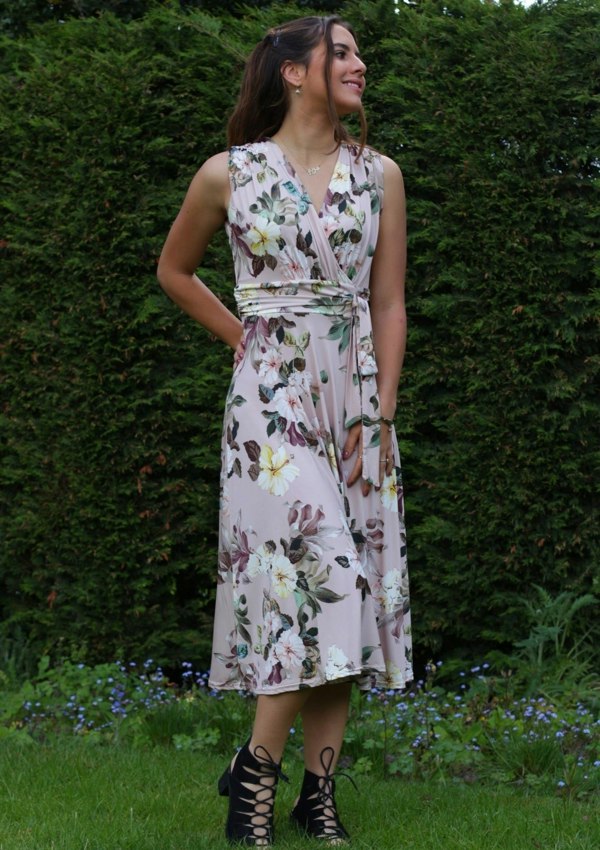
313 169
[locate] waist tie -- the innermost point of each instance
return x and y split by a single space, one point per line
355 334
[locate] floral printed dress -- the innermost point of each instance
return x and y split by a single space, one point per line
312 580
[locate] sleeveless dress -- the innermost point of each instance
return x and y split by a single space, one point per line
312 578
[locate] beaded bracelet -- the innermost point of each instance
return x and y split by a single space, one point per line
388 422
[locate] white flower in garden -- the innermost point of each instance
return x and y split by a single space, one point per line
287 402
259 561
262 237
269 367
290 651
283 575
276 470
337 663
339 178
388 492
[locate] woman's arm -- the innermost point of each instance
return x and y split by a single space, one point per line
388 271
388 316
203 212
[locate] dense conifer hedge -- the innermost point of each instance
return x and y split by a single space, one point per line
112 400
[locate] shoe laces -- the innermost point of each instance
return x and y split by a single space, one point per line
325 794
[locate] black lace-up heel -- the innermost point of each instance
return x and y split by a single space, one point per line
250 786
315 812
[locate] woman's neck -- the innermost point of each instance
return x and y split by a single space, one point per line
307 135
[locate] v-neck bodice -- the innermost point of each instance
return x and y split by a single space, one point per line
300 181
278 236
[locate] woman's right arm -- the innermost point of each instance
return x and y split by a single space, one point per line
203 212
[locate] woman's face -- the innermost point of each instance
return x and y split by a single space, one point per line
347 73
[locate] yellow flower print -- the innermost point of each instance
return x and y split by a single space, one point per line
276 470
284 576
263 236
393 678
388 492
339 178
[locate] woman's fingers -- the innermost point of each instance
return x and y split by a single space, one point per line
386 453
353 440
238 354
353 445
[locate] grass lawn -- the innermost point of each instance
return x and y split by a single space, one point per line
72 796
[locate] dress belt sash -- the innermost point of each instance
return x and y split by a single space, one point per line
361 399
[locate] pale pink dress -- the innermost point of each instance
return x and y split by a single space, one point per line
312 581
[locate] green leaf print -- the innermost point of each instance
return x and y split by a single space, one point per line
340 330
367 652
265 394
236 401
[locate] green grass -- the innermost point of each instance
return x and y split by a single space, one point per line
72 796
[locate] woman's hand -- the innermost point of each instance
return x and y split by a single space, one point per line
386 451
353 445
238 354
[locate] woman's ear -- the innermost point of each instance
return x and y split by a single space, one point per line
292 74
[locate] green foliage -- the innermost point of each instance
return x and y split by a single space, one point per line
550 661
492 111
69 795
484 731
96 702
111 400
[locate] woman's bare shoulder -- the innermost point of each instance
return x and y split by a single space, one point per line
215 170
211 181
391 169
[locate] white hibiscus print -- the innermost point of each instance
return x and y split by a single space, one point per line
288 402
301 381
340 177
240 158
269 367
259 561
283 575
290 651
366 363
337 663
263 236
272 622
276 470
388 492
389 591
354 562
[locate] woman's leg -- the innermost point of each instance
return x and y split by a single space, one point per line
275 714
252 778
324 718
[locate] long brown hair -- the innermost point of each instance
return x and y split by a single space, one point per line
263 100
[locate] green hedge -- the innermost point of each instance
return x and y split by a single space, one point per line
112 400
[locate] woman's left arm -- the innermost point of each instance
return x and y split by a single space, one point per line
388 316
388 312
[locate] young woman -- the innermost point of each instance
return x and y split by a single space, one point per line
312 588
